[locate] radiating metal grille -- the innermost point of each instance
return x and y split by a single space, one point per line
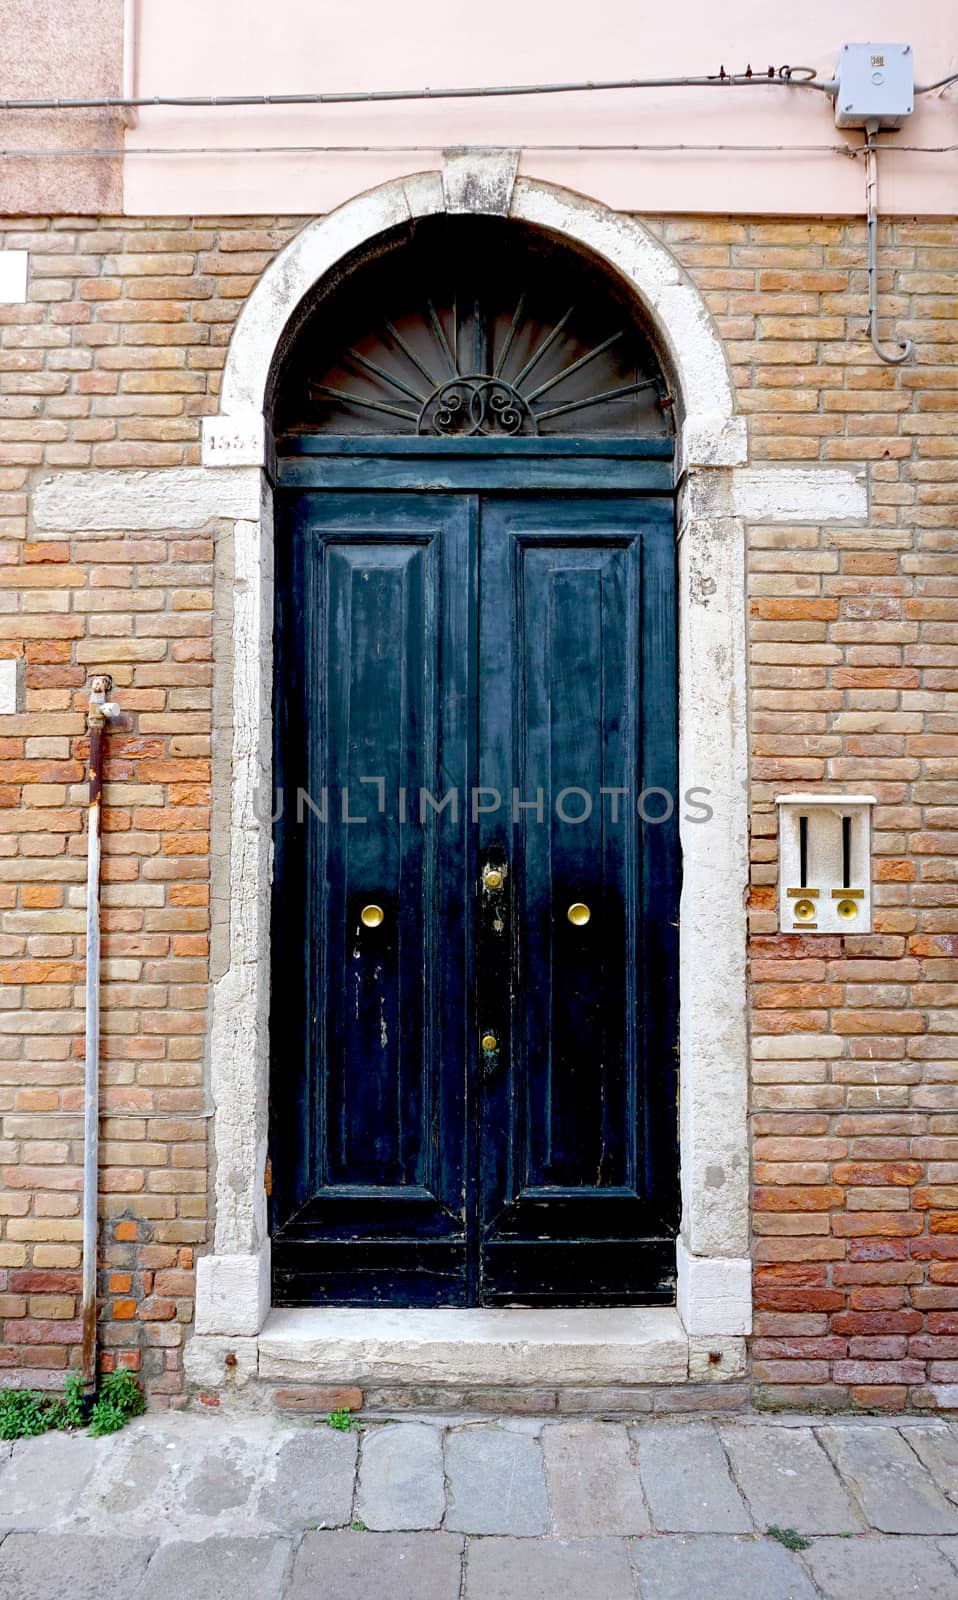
474 327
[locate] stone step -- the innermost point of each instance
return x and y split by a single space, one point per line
451 1347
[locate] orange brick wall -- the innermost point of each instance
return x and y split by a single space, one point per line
853 654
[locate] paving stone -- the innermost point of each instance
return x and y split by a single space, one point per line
936 1445
880 1569
219 1483
313 1481
686 1479
177 1474
377 1566
42 1481
496 1482
788 1479
712 1567
50 1566
218 1569
949 1549
400 1477
893 1489
593 1478
139 1467
552 1569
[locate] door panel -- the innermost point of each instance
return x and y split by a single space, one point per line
519 649
577 643
373 642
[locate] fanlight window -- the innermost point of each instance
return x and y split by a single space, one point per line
469 328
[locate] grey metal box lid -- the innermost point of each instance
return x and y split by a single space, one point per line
876 83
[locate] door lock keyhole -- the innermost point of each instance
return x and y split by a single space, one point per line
490 1055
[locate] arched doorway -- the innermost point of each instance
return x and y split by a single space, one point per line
474 1016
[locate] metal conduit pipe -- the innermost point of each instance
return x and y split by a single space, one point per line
787 76
905 346
101 712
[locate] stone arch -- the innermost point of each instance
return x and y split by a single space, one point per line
710 433
233 1284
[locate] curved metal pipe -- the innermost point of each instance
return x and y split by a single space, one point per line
905 346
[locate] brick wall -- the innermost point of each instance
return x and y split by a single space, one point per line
111 364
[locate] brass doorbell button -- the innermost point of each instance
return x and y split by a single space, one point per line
492 878
578 914
371 916
825 862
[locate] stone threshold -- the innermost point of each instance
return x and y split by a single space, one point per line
508 1348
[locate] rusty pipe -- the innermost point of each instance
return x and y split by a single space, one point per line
101 711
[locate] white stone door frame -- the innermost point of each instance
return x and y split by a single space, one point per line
717 493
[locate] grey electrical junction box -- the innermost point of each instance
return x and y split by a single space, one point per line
876 83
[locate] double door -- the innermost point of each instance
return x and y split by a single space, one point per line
474 979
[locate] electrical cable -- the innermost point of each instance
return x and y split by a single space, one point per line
781 77
772 77
926 88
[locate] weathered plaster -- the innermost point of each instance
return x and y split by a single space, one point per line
70 505
239 1031
714 1293
800 494
713 757
479 182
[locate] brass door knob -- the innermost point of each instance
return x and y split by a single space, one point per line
578 914
371 916
489 1042
492 878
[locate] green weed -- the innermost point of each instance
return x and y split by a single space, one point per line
788 1537
120 1398
24 1413
342 1421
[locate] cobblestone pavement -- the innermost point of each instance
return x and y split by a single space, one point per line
519 1508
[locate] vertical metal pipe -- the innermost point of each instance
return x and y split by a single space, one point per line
99 712
91 1088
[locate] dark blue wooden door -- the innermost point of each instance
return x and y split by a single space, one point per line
474 969
577 974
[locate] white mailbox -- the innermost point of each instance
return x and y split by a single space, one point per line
824 863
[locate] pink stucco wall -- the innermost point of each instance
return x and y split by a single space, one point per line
248 46
274 46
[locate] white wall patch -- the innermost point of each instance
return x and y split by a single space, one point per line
800 494
13 277
237 441
11 686
77 503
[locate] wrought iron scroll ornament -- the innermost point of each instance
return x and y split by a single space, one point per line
450 402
